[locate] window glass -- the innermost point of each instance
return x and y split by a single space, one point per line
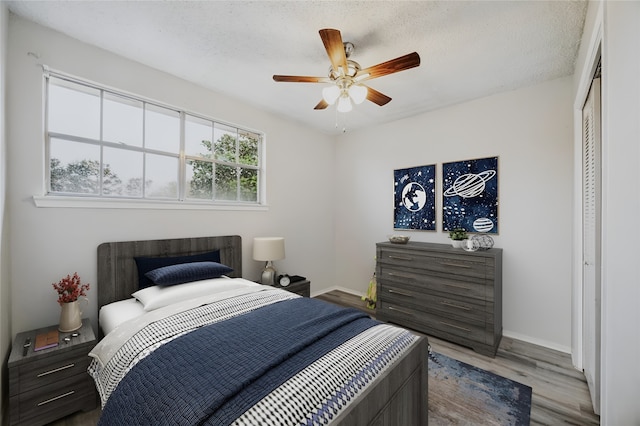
122 172
162 129
248 185
199 179
226 182
73 109
161 176
225 142
74 167
122 120
197 136
249 148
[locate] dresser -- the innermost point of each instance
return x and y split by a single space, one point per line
442 291
49 384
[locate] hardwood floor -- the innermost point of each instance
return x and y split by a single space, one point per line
560 394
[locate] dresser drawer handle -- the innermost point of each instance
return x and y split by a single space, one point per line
455 326
55 398
399 292
453 305
391 308
400 257
458 286
46 373
457 265
395 274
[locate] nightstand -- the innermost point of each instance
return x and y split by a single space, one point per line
51 383
303 288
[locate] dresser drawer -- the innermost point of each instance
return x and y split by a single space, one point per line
417 281
47 403
451 264
432 323
463 309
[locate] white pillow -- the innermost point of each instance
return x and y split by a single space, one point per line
155 297
114 314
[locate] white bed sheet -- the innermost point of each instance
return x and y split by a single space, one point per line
114 314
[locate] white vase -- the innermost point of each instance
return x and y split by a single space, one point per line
457 243
70 317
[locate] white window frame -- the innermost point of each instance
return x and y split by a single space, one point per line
55 199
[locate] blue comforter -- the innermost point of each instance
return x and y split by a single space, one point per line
213 374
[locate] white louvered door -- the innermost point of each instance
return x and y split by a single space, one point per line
591 208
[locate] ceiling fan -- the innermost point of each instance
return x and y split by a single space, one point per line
346 76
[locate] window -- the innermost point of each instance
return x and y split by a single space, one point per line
105 144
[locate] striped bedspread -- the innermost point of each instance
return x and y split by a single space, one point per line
261 357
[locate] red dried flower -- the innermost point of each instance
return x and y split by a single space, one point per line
70 288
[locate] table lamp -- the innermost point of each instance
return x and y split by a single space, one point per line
268 249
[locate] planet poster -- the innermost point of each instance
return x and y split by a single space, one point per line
414 194
470 195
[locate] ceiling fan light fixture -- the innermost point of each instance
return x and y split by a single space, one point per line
358 93
344 103
330 94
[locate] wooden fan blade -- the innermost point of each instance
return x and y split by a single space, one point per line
321 105
335 49
376 97
402 63
300 79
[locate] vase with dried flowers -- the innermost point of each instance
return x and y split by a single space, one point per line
70 289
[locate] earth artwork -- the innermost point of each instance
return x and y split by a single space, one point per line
470 195
414 198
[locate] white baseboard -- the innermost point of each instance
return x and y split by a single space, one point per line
538 342
346 290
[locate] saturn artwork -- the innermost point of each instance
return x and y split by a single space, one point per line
470 195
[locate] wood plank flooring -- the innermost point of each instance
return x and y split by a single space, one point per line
560 394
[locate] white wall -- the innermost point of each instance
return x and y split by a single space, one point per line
5 293
531 131
48 243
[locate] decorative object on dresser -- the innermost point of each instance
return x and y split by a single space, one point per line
70 289
457 235
268 249
414 202
443 292
49 384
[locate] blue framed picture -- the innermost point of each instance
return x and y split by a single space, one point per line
414 196
470 195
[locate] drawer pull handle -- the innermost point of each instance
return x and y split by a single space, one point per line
395 274
453 305
391 308
46 373
456 265
399 292
455 326
400 257
458 286
55 398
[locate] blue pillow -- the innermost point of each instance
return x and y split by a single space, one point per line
146 264
187 272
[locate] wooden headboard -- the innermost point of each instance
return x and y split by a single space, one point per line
118 273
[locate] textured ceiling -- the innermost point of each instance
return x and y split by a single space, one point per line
468 49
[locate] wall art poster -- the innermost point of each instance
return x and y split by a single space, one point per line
470 195
414 194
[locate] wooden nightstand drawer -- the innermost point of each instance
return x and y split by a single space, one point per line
48 403
50 370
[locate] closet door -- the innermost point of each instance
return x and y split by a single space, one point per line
591 208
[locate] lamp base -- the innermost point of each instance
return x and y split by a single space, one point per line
268 275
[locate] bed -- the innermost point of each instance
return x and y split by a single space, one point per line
344 370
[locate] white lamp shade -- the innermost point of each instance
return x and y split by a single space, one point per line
330 94
344 104
268 248
358 93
